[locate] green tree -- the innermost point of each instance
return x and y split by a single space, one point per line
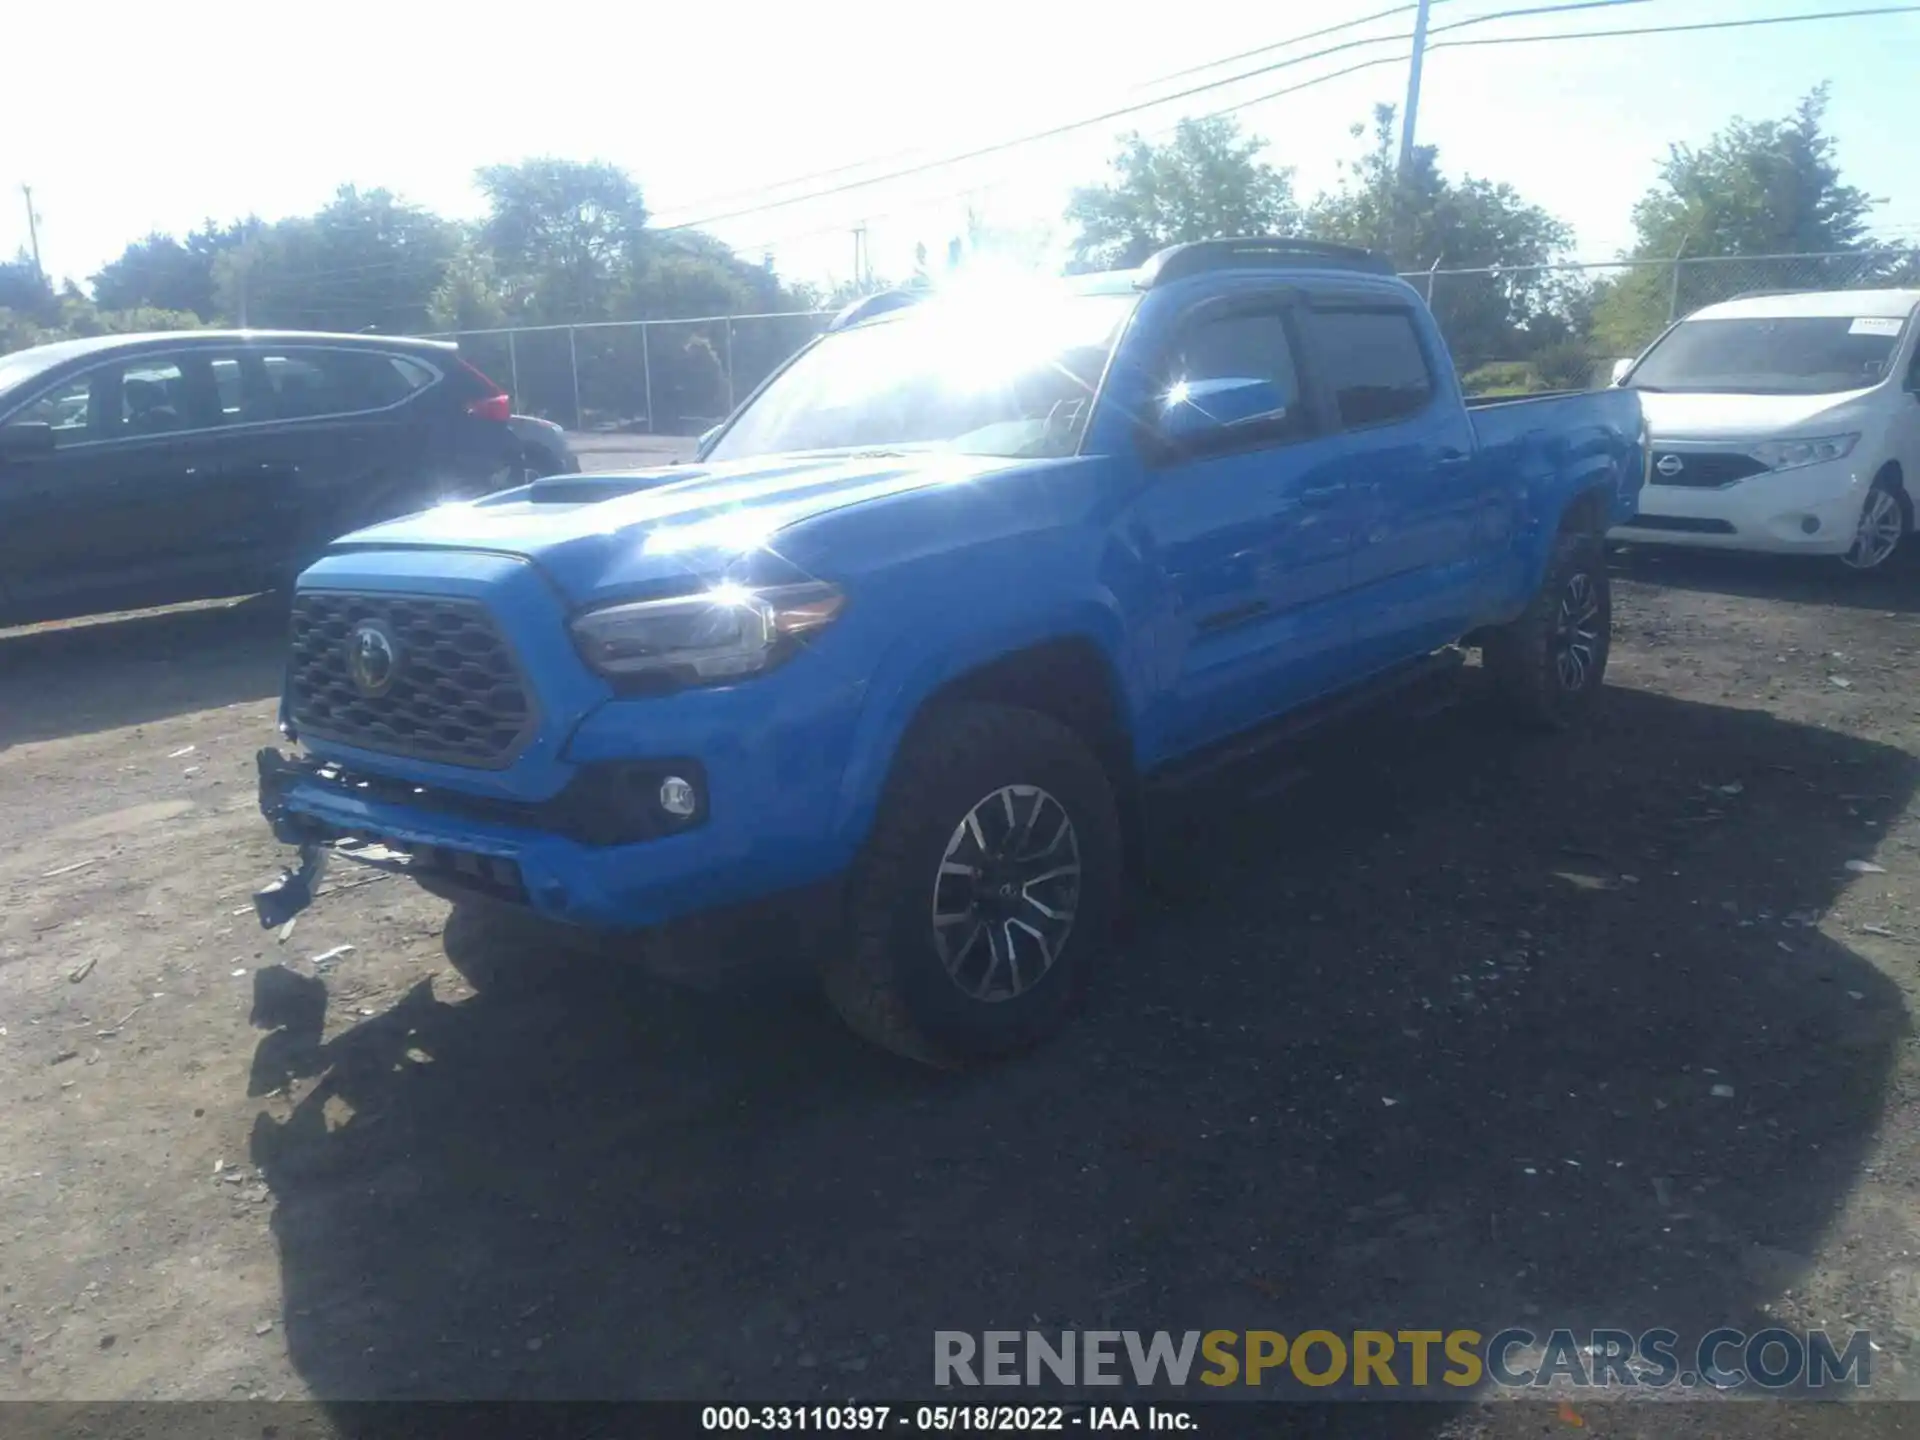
171 274
25 293
1206 182
1419 217
366 261
565 235
1769 187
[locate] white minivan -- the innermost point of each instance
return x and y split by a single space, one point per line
1783 423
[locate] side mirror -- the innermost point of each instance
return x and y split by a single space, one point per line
1203 412
26 440
1620 369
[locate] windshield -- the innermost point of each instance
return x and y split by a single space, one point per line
1803 355
993 379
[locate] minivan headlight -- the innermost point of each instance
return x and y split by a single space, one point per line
1792 454
719 634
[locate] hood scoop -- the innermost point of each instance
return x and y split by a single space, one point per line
591 489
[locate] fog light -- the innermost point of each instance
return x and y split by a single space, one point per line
678 797
1809 524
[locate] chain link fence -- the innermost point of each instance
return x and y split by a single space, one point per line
659 377
1512 329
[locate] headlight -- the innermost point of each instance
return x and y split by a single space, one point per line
1792 454
716 635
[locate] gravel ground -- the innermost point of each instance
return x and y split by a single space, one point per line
1464 1029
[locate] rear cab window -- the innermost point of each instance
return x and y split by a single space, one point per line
1374 365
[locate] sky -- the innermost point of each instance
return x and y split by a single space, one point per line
218 108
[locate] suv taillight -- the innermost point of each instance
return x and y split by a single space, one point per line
496 405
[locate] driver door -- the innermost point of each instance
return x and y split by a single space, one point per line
1251 534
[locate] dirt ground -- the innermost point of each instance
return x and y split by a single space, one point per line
1463 1030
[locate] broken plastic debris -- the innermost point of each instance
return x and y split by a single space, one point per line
1723 1092
184 750
238 973
286 930
1866 867
1856 995
1840 682
1732 788
1388 1100
327 957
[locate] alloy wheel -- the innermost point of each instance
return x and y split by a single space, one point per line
1006 893
1576 633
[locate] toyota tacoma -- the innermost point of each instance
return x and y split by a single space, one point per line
933 613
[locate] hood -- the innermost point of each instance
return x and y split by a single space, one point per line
1745 417
642 529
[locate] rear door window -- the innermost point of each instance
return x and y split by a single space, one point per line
1375 366
302 383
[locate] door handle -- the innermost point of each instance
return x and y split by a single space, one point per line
1452 459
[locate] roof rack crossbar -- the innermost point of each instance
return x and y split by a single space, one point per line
1258 252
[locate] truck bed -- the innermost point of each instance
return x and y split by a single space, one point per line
1555 439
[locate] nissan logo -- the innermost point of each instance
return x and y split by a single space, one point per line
373 658
1670 465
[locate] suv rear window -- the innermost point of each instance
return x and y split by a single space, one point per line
339 382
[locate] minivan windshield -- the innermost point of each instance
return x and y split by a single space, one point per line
1015 379
1797 355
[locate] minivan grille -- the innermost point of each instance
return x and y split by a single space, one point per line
1703 470
425 676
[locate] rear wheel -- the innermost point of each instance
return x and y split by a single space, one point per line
987 892
1549 664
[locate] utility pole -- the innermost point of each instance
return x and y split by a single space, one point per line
1413 87
33 234
860 253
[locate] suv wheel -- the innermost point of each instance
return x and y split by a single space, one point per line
1548 664
988 889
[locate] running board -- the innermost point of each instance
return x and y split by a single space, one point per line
1213 763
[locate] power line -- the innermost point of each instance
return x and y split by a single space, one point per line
1300 39
1677 29
1111 115
1375 63
1332 75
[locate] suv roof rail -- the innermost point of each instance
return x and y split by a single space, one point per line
1257 252
868 306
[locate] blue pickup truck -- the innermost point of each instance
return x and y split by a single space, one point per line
928 618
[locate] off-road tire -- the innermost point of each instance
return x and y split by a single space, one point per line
1526 659
887 977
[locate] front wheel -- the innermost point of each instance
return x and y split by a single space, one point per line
987 892
1548 665
1884 523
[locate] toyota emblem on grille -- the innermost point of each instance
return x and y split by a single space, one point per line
1670 465
373 658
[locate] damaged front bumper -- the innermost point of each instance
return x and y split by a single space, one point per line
318 841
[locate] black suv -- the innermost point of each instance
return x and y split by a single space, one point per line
141 470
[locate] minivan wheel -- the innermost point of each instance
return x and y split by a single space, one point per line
1884 522
987 892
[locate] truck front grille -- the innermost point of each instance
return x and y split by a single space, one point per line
424 676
